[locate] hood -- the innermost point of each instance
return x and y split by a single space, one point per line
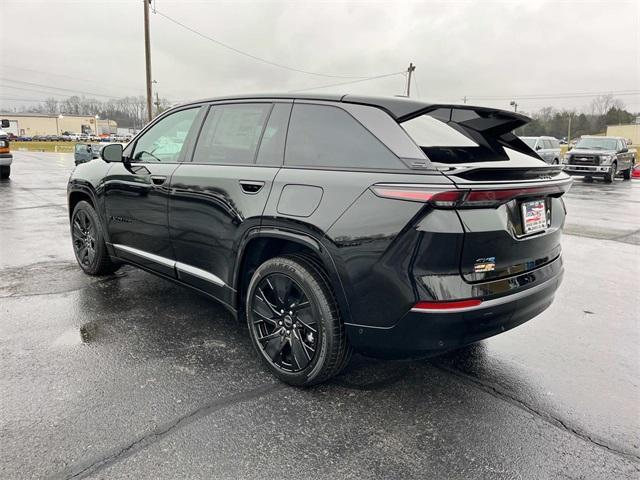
589 151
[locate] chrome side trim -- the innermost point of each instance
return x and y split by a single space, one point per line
181 267
491 303
149 256
198 272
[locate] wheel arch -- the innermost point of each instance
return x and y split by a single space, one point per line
261 244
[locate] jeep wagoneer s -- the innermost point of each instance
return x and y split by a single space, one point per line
333 223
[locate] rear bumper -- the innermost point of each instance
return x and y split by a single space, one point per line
423 332
5 159
586 169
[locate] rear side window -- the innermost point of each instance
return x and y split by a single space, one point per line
231 134
326 136
271 149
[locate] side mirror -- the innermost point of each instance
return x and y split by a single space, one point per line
539 147
5 123
624 150
112 153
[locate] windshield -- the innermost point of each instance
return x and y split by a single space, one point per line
597 143
530 141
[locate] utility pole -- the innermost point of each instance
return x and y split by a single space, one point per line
569 131
147 55
410 70
157 102
514 105
464 99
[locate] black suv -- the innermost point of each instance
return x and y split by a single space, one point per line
331 223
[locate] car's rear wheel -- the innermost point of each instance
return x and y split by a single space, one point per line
294 321
611 174
88 241
5 171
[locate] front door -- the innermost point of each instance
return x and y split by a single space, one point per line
136 192
221 194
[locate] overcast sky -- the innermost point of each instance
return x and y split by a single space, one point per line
480 49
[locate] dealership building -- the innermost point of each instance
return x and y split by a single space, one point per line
29 124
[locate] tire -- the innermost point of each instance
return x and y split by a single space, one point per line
88 242
301 345
555 162
5 171
611 174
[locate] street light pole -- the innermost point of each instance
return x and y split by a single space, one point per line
147 54
514 105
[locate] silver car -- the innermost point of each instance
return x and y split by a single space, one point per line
547 148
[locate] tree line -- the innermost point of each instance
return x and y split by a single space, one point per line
128 112
602 111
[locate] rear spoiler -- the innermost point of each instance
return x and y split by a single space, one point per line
487 121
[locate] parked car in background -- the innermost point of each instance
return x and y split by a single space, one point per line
25 138
548 148
595 156
385 225
85 152
6 158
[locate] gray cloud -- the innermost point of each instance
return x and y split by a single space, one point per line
480 49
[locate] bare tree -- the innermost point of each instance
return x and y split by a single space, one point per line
603 103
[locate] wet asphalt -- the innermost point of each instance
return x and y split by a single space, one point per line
131 376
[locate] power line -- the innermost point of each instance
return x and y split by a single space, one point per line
254 57
21 82
347 83
554 95
13 67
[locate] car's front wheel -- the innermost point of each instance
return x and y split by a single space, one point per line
611 174
88 241
5 171
294 321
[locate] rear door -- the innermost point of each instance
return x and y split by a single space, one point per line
220 193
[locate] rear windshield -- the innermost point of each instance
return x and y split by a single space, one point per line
597 143
454 135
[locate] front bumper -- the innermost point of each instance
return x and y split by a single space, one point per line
586 169
5 159
424 332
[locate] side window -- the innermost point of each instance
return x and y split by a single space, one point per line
621 145
271 150
326 136
231 133
163 142
546 144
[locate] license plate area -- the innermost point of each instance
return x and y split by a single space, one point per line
534 216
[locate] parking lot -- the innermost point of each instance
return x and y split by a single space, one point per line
131 376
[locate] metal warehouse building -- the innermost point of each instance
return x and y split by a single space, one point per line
41 124
631 132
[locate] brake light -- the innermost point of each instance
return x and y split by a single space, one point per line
438 198
454 305
493 198
461 198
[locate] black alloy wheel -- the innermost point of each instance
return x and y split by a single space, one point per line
283 323
83 232
294 320
88 241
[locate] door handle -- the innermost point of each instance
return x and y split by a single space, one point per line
158 179
251 187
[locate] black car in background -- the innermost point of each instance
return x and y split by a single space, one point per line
330 223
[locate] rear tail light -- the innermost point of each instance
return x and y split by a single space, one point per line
443 306
441 198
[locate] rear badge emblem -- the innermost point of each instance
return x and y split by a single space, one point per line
484 265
